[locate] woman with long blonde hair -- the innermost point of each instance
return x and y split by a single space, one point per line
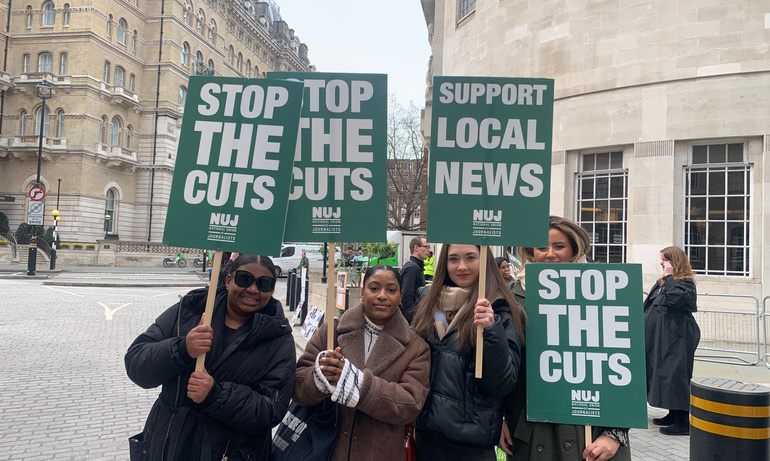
463 415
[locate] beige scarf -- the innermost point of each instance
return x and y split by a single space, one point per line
451 300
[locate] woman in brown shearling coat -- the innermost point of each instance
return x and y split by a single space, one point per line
378 375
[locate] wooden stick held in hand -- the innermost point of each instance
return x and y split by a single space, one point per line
330 298
212 294
482 294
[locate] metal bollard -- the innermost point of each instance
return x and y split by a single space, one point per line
290 289
729 420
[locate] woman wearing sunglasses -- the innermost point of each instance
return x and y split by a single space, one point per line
228 409
378 375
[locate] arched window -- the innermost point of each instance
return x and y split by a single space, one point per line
185 53
23 123
239 64
109 26
63 64
122 26
106 71
45 62
119 73
66 14
182 95
129 131
211 67
49 14
115 131
198 62
109 210
104 131
131 79
186 15
248 68
212 31
46 121
60 123
230 55
29 17
201 20
256 71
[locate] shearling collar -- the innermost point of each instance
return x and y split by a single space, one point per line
389 346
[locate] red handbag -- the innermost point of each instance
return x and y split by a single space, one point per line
410 452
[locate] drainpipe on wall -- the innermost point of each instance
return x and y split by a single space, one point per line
155 130
5 62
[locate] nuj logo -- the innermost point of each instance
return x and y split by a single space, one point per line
488 215
326 212
222 219
585 396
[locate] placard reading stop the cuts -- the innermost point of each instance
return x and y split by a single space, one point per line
585 345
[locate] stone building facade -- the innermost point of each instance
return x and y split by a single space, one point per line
661 131
119 69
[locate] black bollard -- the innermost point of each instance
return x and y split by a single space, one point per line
729 420
290 280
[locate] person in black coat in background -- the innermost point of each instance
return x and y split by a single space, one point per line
227 410
671 336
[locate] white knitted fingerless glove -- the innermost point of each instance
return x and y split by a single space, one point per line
348 389
321 382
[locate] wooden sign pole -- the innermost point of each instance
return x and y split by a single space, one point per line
330 297
212 294
482 294
589 440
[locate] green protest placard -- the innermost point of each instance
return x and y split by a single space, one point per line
490 161
338 189
585 345
233 167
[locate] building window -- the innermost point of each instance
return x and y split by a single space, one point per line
248 68
66 14
718 210
29 17
63 64
23 123
185 53
198 62
212 31
182 95
119 72
45 62
211 67
106 76
122 26
230 55
46 121
465 7
109 210
49 14
131 82
60 123
115 132
239 63
25 64
187 12
602 205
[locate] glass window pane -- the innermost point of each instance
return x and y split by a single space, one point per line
698 208
697 233
716 183
716 208
616 187
736 209
735 261
590 229
588 162
717 153
586 211
735 182
616 160
615 254
601 233
716 233
602 187
616 233
603 161
735 233
699 155
616 210
602 207
735 153
716 259
600 254
587 188
698 183
698 258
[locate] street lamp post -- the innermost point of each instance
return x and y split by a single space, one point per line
106 225
43 90
55 214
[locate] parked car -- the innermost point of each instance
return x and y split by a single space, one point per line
291 254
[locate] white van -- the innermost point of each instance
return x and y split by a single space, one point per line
291 254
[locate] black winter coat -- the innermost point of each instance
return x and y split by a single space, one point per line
671 336
253 382
460 408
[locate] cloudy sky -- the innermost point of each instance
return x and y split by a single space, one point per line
365 36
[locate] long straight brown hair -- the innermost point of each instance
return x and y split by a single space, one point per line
678 259
496 288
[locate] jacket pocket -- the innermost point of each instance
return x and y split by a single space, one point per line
138 447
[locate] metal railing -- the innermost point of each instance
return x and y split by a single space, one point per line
765 320
6 234
733 333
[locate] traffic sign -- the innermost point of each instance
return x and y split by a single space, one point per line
35 213
37 193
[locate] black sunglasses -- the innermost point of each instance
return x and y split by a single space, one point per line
244 279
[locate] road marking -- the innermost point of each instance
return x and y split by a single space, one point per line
63 291
108 313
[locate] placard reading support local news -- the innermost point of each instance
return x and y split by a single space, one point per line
233 166
585 345
338 189
490 161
